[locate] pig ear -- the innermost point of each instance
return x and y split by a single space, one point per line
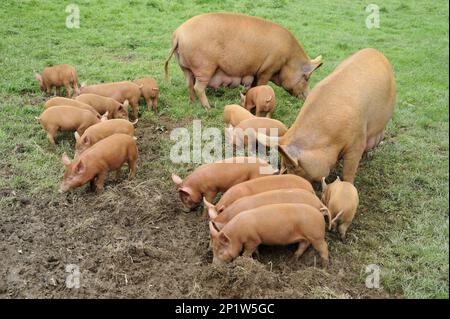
38 76
77 136
87 140
66 159
212 229
324 184
337 179
312 65
195 196
80 168
224 238
212 212
126 103
287 154
177 180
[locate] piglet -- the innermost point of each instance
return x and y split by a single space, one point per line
94 164
101 130
247 130
59 101
63 75
261 97
119 91
276 224
234 114
277 196
342 200
210 179
260 185
104 104
150 92
67 118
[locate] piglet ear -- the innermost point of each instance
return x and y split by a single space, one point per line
224 238
38 77
126 103
87 140
77 136
212 229
324 184
80 168
177 179
338 179
66 159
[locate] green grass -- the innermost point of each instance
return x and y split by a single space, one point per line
402 224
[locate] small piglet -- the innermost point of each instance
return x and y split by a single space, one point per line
102 130
150 92
278 196
234 114
119 91
262 184
262 97
94 164
276 224
67 118
63 75
342 201
247 130
104 104
210 179
59 101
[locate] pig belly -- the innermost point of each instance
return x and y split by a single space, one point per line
373 141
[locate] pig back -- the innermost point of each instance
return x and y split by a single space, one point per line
263 123
69 117
234 114
104 129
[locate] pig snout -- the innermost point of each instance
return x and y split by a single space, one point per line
217 261
63 188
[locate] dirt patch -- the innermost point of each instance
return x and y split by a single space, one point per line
133 241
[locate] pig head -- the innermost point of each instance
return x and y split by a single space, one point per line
190 198
75 174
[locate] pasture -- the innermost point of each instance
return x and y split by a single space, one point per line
134 241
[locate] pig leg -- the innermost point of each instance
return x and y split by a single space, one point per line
322 247
249 248
51 137
351 163
190 83
302 247
100 181
68 89
269 114
155 104
202 78
58 90
149 103
132 167
135 106
117 174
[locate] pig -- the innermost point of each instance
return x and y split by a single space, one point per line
210 179
262 98
104 104
150 92
67 118
277 196
275 224
101 130
221 79
234 114
259 185
342 200
62 75
93 165
119 91
246 130
61 101
204 46
344 115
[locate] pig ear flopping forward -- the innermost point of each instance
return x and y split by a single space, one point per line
212 229
38 76
224 239
324 185
312 65
80 167
66 159
177 179
212 212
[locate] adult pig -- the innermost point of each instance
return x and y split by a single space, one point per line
343 116
210 179
262 184
119 91
276 224
102 130
277 196
206 44
93 165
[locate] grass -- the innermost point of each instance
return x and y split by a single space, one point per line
402 224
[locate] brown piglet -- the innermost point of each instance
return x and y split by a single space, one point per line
66 118
261 97
277 196
150 92
58 101
94 164
119 91
276 224
62 75
262 184
342 200
234 114
102 130
210 179
104 104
